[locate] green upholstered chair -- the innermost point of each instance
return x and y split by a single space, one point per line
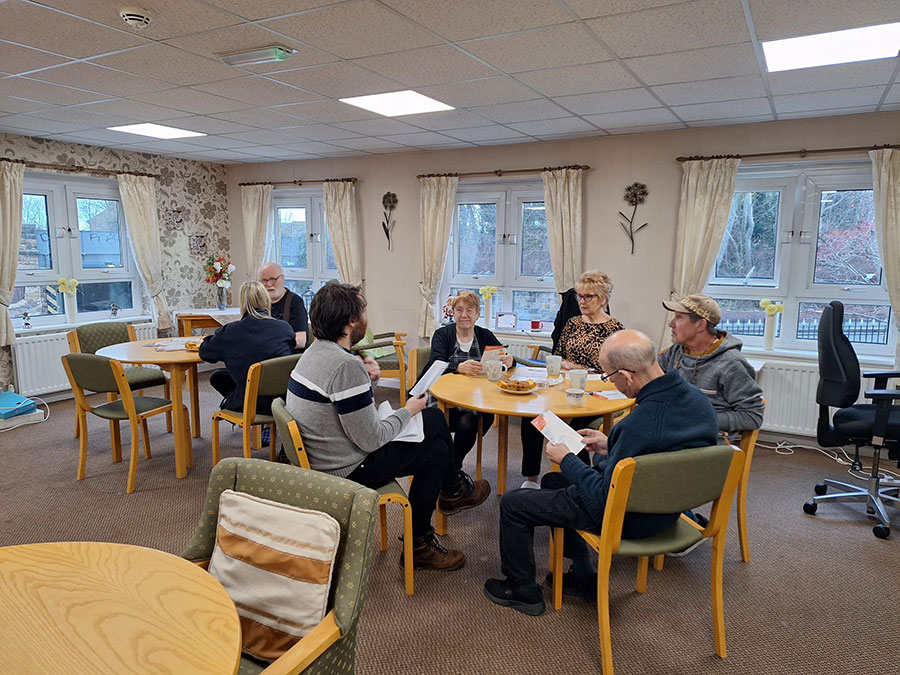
392 364
664 482
102 375
418 360
391 493
266 378
331 646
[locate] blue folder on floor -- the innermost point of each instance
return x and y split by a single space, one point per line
11 404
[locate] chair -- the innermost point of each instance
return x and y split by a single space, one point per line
266 378
331 645
392 365
99 374
666 482
876 425
418 360
390 493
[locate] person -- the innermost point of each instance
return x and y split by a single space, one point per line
330 395
286 304
461 344
579 345
670 415
240 344
711 360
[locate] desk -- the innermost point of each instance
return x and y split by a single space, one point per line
213 318
94 607
476 393
178 364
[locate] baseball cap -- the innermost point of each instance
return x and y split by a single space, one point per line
701 305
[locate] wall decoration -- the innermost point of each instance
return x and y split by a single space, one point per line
635 194
197 243
389 203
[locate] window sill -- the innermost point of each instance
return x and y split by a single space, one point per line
65 327
809 356
538 336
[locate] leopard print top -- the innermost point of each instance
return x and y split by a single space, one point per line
580 341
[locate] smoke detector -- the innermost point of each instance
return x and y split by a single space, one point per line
136 17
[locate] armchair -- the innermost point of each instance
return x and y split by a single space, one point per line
392 365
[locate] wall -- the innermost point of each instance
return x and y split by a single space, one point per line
197 188
641 281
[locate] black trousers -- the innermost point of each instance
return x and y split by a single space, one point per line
464 425
533 444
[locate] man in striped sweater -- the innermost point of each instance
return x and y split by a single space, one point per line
330 396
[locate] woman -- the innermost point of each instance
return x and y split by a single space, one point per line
461 344
240 344
579 345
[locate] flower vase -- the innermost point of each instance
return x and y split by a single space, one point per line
71 307
221 297
769 334
487 313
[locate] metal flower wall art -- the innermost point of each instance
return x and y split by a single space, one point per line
389 203
635 194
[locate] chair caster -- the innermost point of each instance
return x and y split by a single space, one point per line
820 488
857 465
881 531
810 507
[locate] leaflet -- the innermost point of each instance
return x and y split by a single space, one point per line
492 353
412 431
556 431
431 376
608 395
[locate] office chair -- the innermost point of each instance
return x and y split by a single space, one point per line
876 425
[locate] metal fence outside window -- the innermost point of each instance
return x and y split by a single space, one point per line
861 331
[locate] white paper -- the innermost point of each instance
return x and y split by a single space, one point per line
431 376
530 372
610 394
594 377
174 345
412 431
492 353
556 431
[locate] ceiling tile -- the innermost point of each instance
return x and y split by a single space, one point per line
588 9
8 104
167 63
24 87
778 19
696 64
262 137
261 118
81 116
98 78
338 80
168 146
841 98
365 144
112 138
480 92
428 65
379 127
354 29
135 110
422 139
227 155
729 121
465 19
488 133
591 77
723 89
263 9
218 142
311 147
192 100
824 78
643 129
319 132
828 113
566 125
893 94
523 111
610 101
450 119
17 59
207 125
326 111
708 111
37 124
508 141
269 151
256 89
633 118
553 47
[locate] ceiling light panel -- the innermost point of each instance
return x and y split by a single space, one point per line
155 131
827 49
397 103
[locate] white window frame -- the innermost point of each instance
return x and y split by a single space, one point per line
801 187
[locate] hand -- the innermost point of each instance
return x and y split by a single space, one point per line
507 360
568 365
470 367
595 441
372 368
416 404
556 452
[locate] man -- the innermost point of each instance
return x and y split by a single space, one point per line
330 396
711 360
670 415
286 305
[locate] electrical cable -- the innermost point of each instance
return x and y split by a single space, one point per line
787 448
26 423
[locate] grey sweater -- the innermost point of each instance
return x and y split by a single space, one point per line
330 396
726 378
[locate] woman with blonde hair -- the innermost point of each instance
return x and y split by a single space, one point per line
240 344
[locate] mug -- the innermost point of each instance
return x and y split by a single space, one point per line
578 378
554 365
574 396
537 325
494 369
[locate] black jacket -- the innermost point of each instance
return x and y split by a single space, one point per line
443 344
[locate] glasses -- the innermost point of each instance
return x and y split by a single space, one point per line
587 297
271 280
607 377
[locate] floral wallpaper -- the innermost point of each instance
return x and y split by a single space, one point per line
191 201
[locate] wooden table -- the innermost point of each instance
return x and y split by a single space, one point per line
179 364
476 393
94 607
188 321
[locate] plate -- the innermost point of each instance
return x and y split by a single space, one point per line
553 381
515 392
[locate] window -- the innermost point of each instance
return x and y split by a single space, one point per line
302 243
803 237
499 238
73 228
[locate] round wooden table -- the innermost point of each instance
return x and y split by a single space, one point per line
179 364
94 607
477 393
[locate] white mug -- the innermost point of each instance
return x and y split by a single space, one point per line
554 365
574 396
494 370
578 378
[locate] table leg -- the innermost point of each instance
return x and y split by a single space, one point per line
195 401
444 408
179 419
607 423
502 439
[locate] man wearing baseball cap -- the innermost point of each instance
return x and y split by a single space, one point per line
711 360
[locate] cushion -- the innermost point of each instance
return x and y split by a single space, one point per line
276 562
378 352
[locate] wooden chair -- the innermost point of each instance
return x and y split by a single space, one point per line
330 646
392 365
665 482
418 359
266 378
99 374
391 493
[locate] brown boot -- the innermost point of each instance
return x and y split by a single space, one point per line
469 493
429 554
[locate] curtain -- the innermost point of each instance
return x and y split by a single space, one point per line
886 184
340 216
139 203
562 201
437 200
256 206
11 179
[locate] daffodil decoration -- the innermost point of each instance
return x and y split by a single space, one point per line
772 308
487 292
67 285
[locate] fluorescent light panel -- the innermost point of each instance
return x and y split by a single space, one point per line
396 103
155 131
251 57
827 49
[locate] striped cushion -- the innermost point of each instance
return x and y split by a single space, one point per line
276 563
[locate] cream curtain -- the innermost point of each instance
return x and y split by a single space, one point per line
437 200
886 184
139 203
256 206
340 214
562 200
11 178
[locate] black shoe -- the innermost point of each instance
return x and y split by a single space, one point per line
505 594
582 587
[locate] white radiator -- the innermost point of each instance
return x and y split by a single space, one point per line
37 360
519 345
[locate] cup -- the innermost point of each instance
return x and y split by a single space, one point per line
554 365
574 396
537 325
494 370
578 378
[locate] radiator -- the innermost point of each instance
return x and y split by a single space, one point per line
519 345
36 359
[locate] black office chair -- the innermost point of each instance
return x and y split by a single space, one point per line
876 425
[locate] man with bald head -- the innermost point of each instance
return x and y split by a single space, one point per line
671 415
286 304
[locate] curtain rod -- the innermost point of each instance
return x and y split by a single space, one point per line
75 169
501 172
803 153
298 183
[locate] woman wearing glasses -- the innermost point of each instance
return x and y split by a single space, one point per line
579 345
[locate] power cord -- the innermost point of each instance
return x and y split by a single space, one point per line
27 422
788 448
